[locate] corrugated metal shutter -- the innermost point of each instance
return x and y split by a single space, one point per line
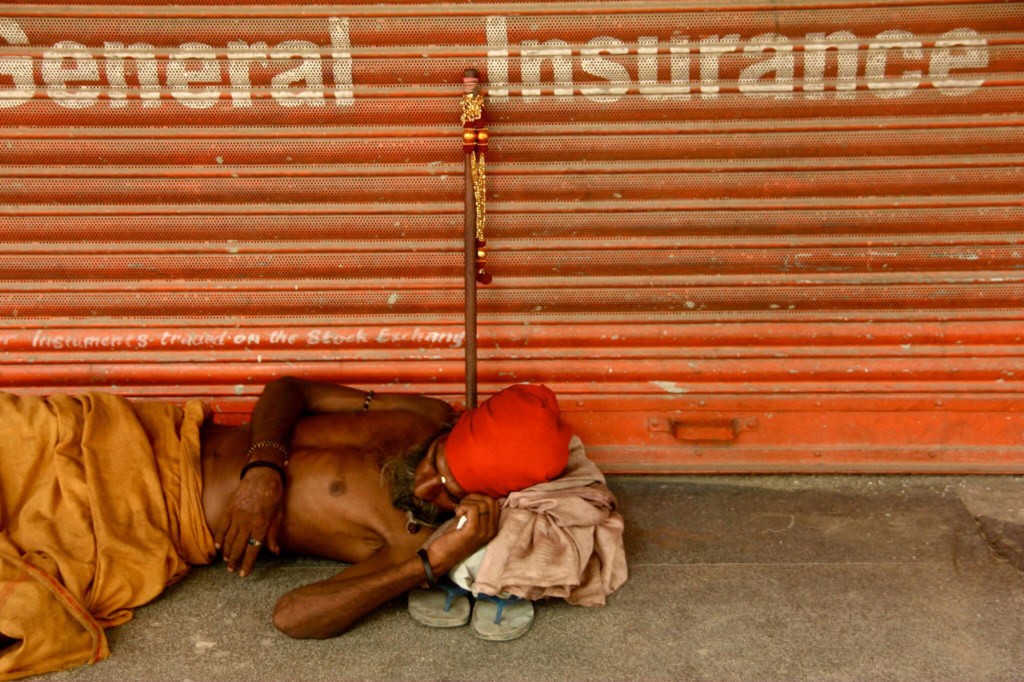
732 235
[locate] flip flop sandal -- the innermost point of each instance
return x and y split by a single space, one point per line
500 620
445 607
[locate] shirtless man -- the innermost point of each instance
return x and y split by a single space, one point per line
364 478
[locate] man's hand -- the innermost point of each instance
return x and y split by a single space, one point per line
463 538
252 518
330 607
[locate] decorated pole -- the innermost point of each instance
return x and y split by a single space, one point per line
474 146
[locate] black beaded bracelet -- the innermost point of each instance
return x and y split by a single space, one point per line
264 463
425 558
368 400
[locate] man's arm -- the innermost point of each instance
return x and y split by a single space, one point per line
286 399
330 607
256 506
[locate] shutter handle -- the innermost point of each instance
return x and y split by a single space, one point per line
719 429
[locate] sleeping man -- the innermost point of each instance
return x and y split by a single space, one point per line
104 502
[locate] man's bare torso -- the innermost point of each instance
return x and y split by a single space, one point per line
337 505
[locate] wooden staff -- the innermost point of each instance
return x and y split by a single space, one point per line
474 145
472 106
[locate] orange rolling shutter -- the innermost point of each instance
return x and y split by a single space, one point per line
733 236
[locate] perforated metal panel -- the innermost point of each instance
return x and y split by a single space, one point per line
733 236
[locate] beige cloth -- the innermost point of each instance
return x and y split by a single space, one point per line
562 538
100 510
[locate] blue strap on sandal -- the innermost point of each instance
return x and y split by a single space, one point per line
444 606
492 621
500 602
454 592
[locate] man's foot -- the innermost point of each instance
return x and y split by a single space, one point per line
446 607
500 620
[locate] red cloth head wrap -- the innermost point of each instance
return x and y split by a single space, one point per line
514 440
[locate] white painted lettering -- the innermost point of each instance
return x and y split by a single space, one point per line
198 75
308 71
342 61
146 73
69 61
497 57
647 66
845 44
81 343
711 50
327 337
195 63
781 64
613 72
19 69
960 48
679 65
246 339
878 55
240 59
417 335
281 336
533 58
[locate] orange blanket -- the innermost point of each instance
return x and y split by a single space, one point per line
100 510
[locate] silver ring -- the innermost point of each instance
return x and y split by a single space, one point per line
253 542
444 481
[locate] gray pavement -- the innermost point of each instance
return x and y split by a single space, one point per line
731 578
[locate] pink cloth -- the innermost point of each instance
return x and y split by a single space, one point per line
561 538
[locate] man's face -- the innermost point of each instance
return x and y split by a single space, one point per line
434 481
415 482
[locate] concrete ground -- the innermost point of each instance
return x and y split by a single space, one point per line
731 578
